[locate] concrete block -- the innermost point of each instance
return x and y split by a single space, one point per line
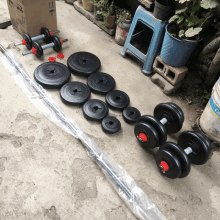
166 86
5 20
91 17
172 74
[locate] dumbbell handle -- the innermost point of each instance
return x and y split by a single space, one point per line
35 38
188 150
163 121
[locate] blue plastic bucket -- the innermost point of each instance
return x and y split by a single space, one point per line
175 52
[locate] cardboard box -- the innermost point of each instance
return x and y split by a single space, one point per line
29 16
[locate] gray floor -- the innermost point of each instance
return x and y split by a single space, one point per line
46 173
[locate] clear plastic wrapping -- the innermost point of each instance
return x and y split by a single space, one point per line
125 186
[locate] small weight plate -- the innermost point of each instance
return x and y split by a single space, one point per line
75 93
117 99
39 50
29 42
83 63
131 115
180 153
201 151
111 125
206 140
149 131
179 110
174 119
95 110
57 44
172 161
46 33
52 75
157 126
101 83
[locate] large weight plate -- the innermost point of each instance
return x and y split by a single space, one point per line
131 115
75 93
174 119
95 110
201 150
117 99
83 63
149 131
101 83
173 162
180 153
111 125
157 126
29 42
52 75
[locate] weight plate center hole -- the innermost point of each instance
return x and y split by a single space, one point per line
118 98
111 122
131 113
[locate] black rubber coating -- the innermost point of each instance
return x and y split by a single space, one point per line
83 63
201 151
75 93
39 50
183 158
174 118
131 115
204 138
46 32
173 163
101 83
57 44
29 42
111 125
179 110
150 132
52 75
95 110
157 126
117 100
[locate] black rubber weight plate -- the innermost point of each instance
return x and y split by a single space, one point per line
83 63
75 93
179 110
131 115
111 125
101 83
117 99
95 110
52 75
183 158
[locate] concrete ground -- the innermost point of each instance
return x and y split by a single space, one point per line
46 174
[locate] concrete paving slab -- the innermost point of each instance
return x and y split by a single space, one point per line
46 173
5 20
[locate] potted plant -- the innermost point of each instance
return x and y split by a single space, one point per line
183 33
88 5
109 15
123 25
163 9
100 5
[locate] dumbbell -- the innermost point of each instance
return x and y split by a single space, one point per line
174 160
38 50
152 131
28 40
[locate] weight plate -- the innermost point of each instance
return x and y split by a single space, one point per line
206 140
83 63
149 131
46 33
117 100
29 42
52 75
101 83
111 125
57 44
95 110
131 115
179 110
174 119
75 93
39 50
180 153
157 126
174 166
201 151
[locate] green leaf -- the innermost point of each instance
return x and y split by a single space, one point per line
181 33
180 11
180 20
193 31
206 4
175 17
182 1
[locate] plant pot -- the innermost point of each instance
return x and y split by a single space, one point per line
98 17
87 5
122 31
79 1
176 52
163 12
110 21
